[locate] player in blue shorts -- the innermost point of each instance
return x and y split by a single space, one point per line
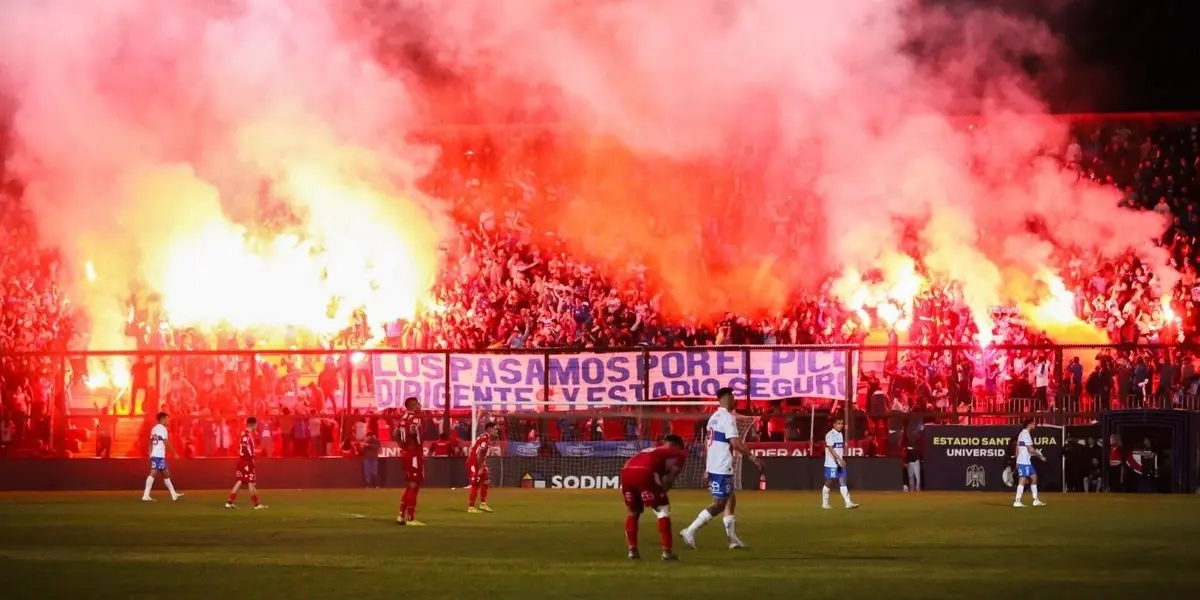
835 464
159 445
1025 454
723 440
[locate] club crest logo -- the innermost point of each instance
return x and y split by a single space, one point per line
976 477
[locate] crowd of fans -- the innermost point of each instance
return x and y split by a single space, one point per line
507 284
31 320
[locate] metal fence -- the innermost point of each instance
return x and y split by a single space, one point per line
871 384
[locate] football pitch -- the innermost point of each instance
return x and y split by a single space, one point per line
570 544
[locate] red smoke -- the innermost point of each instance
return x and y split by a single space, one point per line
833 124
850 108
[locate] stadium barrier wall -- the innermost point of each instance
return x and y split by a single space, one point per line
567 472
214 474
783 473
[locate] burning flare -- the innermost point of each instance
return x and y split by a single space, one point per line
1057 308
889 292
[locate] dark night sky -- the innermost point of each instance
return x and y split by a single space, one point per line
1122 55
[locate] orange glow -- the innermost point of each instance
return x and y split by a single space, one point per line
357 248
1168 312
107 373
220 273
985 337
891 298
1058 308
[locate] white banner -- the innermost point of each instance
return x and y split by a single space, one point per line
507 382
399 376
773 374
696 373
776 374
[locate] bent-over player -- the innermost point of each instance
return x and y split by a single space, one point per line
645 480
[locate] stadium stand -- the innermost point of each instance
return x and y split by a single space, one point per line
506 285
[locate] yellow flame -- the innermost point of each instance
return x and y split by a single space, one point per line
985 337
90 271
892 298
889 313
348 258
1168 312
108 373
1055 314
904 280
1058 308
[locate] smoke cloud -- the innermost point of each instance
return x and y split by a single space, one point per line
146 129
244 159
853 108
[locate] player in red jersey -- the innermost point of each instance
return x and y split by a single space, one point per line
247 473
645 481
412 454
477 469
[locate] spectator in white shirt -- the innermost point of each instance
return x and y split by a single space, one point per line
1041 383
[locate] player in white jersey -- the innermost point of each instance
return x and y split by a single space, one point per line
158 459
1025 454
723 441
835 464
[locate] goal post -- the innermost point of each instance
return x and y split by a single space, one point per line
583 446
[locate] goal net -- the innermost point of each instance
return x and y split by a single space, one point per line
565 445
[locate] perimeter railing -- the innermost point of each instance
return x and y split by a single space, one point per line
73 402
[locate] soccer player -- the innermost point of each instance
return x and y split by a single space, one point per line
835 464
723 440
412 454
247 473
1025 454
158 459
477 469
645 480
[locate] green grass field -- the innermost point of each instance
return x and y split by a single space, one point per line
563 544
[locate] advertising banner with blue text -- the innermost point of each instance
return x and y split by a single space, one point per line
602 449
526 449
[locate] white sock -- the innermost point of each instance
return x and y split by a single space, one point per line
170 488
702 519
731 528
1020 491
824 495
1033 488
846 495
149 484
